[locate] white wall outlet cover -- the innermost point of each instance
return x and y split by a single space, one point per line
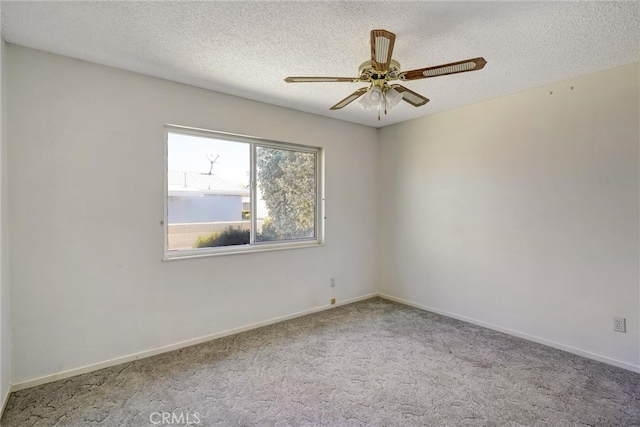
619 324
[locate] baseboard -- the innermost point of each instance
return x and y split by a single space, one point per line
569 349
148 353
5 399
165 349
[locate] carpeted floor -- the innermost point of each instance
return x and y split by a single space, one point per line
373 363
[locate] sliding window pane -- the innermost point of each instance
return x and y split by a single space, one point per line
208 192
286 193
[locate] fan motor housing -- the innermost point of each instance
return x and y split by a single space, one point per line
367 72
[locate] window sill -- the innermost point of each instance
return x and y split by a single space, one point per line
236 250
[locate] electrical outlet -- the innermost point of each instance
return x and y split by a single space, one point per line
332 282
619 324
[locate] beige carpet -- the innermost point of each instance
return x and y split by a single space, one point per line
373 363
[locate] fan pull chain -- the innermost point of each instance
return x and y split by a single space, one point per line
384 99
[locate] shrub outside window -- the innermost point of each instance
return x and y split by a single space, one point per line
228 193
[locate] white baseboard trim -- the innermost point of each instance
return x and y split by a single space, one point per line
148 353
153 352
5 399
569 349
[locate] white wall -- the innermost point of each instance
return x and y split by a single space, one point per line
522 213
86 148
5 318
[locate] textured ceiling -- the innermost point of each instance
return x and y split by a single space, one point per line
247 48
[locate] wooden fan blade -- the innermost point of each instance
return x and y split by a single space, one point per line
442 70
410 96
382 42
349 99
321 79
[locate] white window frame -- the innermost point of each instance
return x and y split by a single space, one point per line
253 246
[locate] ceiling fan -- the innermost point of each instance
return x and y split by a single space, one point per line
381 70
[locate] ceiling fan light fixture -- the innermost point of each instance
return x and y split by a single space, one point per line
371 99
375 93
393 97
376 97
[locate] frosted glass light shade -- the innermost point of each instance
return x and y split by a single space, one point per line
393 97
371 99
376 94
376 99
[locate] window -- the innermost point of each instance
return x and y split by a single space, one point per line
228 193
